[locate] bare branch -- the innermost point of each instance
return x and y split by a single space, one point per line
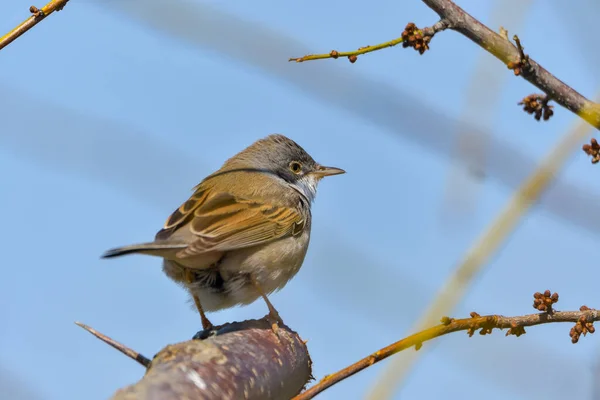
411 37
514 56
455 18
336 54
583 319
238 360
37 16
134 355
478 255
399 112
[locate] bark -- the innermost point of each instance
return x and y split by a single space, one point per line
244 360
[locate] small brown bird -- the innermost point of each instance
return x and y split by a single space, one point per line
245 231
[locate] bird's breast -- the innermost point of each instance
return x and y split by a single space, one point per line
272 264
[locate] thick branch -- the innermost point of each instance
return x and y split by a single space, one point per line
239 360
485 324
506 52
37 16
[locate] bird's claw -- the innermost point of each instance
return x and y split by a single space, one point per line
276 322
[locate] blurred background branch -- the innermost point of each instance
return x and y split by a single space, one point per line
583 319
515 59
475 260
455 18
399 112
481 104
145 144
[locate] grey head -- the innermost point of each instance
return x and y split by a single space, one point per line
281 156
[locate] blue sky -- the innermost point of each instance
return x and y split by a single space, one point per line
111 113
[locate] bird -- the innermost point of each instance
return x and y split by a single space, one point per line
245 230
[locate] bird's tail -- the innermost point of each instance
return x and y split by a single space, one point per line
151 248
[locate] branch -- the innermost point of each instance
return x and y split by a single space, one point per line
583 319
411 37
134 355
37 16
455 18
238 360
512 56
479 253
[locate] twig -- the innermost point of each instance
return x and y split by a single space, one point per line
512 55
121 347
583 320
407 38
522 66
37 16
485 246
388 107
336 54
455 18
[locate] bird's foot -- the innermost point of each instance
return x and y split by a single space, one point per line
205 334
276 322
206 324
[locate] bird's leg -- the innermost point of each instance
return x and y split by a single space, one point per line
206 324
273 314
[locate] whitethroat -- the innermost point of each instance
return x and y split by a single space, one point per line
245 230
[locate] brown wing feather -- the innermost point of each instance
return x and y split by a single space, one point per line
224 222
183 214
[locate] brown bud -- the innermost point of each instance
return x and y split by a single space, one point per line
593 150
575 339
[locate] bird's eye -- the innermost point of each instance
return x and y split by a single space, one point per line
295 167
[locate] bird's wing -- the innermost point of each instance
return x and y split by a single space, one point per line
225 222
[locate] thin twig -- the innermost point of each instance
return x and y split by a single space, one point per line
134 355
427 32
515 58
484 247
373 100
337 54
455 18
511 55
485 324
37 16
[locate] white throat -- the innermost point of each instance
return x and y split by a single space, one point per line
307 185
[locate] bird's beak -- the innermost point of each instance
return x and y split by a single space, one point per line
322 171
